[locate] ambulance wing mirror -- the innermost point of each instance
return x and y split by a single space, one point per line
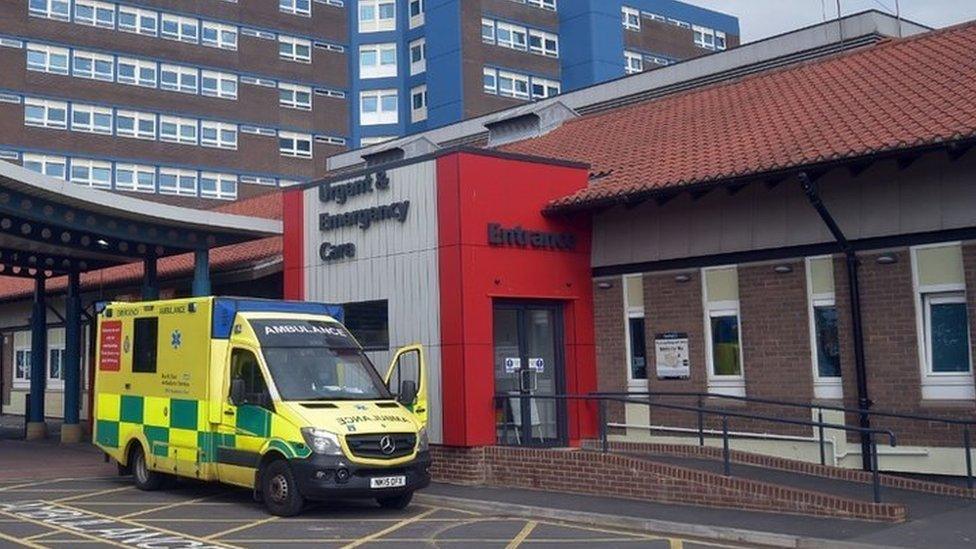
408 392
237 391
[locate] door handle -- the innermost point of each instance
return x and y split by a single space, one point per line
228 412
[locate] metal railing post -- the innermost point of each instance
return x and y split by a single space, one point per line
727 466
820 429
604 446
969 457
701 423
875 480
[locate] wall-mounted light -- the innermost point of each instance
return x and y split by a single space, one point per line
604 285
783 269
886 259
682 277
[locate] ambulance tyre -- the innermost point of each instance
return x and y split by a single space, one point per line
145 479
396 502
279 489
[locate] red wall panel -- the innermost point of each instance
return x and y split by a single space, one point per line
293 252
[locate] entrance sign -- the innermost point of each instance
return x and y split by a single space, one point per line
671 355
523 238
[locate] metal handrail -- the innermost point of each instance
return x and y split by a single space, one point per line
965 423
702 411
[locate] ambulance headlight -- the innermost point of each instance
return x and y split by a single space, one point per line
322 441
423 440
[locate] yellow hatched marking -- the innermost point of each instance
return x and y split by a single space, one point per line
92 494
170 506
24 542
61 528
239 528
675 544
29 484
395 527
522 535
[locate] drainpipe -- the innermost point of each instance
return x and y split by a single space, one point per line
860 371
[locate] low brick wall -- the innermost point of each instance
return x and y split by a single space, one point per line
614 475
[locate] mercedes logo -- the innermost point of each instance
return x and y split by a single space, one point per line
387 446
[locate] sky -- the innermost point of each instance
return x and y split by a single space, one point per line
762 18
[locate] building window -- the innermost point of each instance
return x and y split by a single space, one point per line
707 38
633 287
418 56
490 80
294 49
633 62
824 336
55 358
544 4
51 166
369 323
88 118
135 177
295 97
488 31
510 36
513 85
218 134
47 59
375 140
145 339
136 72
377 15
543 43
416 13
178 182
218 185
542 88
418 103
218 84
631 18
377 61
943 322
22 358
723 343
51 9
93 173
93 65
296 7
138 21
184 29
140 125
98 14
46 114
177 78
216 35
295 144
378 107
178 130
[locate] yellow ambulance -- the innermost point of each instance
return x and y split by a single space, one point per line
275 396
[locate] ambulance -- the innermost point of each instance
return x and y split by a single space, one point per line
273 396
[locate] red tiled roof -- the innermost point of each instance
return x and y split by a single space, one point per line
897 94
224 258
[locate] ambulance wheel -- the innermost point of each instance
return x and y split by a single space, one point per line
396 502
145 478
280 491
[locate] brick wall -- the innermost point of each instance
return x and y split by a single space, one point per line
611 349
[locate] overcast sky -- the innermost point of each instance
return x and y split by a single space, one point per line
762 18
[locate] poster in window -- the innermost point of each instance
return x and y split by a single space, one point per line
671 355
110 346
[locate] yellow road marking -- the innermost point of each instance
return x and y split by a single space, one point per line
171 505
29 484
24 542
588 528
675 544
92 494
239 528
61 529
41 535
521 536
385 531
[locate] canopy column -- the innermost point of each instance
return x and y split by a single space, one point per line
201 272
36 427
71 430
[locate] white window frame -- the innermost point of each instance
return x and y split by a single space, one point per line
220 141
733 385
629 66
137 119
704 37
544 4
827 388
418 114
381 116
547 86
92 113
416 19
493 73
630 18
419 66
938 385
55 343
513 32
49 12
292 44
95 59
46 121
721 41
488 24
219 179
22 351
291 6
90 166
182 23
226 38
543 48
44 161
220 78
141 16
516 78
375 23
49 52
137 184
375 140
293 90
181 73
632 311
180 124
294 151
379 69
140 66
181 177
97 8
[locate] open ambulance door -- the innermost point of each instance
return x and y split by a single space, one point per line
407 380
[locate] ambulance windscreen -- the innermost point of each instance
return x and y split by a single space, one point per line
302 333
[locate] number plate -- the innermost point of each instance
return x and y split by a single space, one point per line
387 482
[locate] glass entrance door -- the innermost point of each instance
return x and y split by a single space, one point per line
528 365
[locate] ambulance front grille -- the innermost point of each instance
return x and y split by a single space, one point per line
372 446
